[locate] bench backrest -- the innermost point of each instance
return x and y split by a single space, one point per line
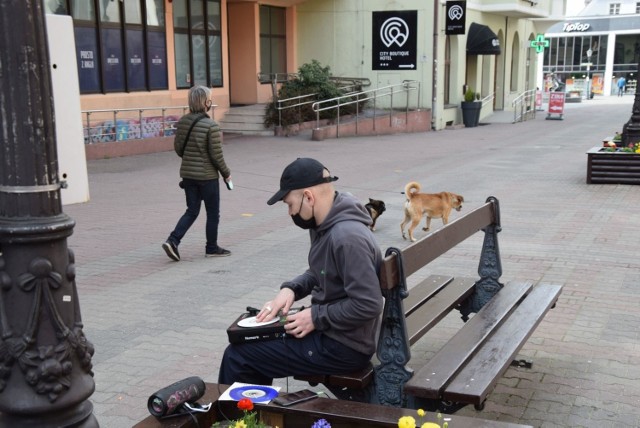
424 251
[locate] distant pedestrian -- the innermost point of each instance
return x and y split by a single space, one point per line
198 143
622 82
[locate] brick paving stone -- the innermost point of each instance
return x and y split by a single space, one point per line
154 321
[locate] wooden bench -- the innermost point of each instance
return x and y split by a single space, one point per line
468 366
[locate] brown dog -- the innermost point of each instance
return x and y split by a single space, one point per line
434 205
375 208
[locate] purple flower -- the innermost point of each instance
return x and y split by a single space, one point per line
322 423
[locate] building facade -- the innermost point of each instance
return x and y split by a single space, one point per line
147 53
591 51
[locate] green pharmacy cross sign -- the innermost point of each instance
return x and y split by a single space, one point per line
540 43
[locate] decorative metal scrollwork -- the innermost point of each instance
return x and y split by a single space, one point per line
393 344
47 368
489 267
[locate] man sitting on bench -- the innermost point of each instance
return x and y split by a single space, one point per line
337 334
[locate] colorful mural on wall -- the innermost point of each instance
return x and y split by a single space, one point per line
130 129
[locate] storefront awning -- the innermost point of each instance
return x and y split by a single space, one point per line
482 41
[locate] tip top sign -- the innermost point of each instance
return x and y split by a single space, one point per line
569 27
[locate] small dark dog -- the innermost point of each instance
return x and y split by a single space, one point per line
375 208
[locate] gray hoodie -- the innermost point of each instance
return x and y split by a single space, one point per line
344 264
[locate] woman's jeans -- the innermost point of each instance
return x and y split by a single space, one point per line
195 192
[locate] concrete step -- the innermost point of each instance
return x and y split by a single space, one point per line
245 120
263 133
234 117
255 109
247 126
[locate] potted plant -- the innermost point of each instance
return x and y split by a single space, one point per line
471 107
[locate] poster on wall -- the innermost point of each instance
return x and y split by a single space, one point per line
87 59
597 83
394 40
136 75
456 17
157 60
112 56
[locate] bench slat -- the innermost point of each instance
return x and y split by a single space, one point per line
430 381
438 307
425 290
481 374
424 251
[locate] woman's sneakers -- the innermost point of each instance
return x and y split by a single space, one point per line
220 252
172 250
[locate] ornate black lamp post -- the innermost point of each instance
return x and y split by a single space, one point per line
631 129
45 359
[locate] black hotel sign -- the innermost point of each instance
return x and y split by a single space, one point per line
456 17
394 40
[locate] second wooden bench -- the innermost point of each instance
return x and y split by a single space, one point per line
468 366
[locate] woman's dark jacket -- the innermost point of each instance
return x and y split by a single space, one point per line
202 157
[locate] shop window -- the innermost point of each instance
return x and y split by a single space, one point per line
120 46
198 46
614 8
273 40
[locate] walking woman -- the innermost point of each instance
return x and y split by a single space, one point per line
198 143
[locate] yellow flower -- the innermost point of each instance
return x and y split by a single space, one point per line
407 422
240 424
421 413
430 425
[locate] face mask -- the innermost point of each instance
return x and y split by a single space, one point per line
302 223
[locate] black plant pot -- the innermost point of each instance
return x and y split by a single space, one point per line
471 113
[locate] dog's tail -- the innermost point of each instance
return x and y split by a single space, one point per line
411 189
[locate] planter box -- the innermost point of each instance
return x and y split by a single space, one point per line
605 167
339 413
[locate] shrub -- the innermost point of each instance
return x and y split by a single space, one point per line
312 78
470 96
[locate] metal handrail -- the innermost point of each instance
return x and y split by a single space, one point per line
276 77
108 129
355 81
489 98
363 96
280 103
524 105
347 89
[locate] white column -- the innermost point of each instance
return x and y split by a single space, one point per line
608 71
539 73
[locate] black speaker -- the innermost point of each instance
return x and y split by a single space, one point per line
169 399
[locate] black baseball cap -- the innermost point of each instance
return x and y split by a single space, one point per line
300 174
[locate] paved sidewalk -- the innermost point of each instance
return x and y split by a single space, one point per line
154 321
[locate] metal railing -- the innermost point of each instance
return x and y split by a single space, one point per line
100 126
406 87
524 106
275 79
488 99
294 102
348 85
